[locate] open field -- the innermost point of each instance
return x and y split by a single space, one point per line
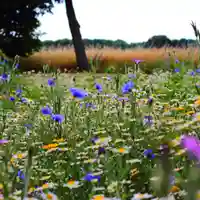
100 137
108 57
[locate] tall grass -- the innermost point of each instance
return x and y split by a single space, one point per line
65 58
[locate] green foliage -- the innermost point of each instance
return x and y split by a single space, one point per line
19 21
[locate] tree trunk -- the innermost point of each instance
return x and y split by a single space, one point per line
81 58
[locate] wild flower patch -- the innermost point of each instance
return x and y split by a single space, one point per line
131 136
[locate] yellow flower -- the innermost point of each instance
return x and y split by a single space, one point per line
98 197
197 102
177 109
122 150
72 184
134 172
190 112
50 146
174 189
59 140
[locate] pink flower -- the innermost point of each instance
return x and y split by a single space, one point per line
192 145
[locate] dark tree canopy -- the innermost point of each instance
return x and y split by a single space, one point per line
18 22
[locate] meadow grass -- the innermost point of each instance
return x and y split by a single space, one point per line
98 136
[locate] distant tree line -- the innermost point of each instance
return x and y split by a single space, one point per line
157 41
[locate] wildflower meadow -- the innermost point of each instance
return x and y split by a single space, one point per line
100 137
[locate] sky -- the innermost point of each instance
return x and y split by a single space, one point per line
129 20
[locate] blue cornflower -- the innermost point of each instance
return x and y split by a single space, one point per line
17 66
176 70
101 150
24 100
78 93
5 77
192 73
98 87
12 98
46 110
20 174
94 139
127 87
150 101
51 82
58 118
177 61
90 177
18 92
149 154
198 70
148 120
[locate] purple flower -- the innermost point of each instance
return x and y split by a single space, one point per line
12 98
51 82
192 145
20 174
150 101
137 61
5 77
198 70
89 177
149 153
192 73
46 110
177 61
98 87
101 150
58 118
78 93
17 66
127 87
148 120
18 92
94 139
24 100
176 70
3 141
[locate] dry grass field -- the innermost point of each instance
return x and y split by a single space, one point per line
64 58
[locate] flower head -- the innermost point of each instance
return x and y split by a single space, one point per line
192 145
72 184
3 141
58 118
18 92
127 87
78 93
148 120
137 61
5 77
46 110
99 87
176 70
12 98
51 82
90 177
149 153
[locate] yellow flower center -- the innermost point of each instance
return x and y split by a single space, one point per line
99 197
121 150
49 196
71 182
